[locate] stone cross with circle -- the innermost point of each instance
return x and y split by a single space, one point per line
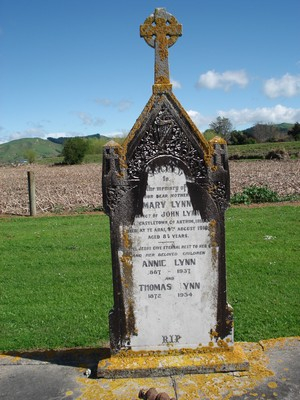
161 31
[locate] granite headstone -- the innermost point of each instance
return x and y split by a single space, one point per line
166 190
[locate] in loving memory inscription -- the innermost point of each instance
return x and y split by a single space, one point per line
166 190
174 284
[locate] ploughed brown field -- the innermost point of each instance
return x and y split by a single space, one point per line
61 189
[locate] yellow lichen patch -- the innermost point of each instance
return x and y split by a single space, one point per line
218 140
15 359
69 393
122 389
9 358
138 124
161 80
272 385
205 145
161 88
218 386
127 261
172 352
279 342
222 343
213 334
126 240
226 385
117 366
113 144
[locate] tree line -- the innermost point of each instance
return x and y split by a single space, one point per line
74 149
258 133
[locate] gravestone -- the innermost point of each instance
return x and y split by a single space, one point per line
165 191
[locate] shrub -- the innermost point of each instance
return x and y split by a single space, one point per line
74 150
295 131
255 194
239 137
30 155
277 154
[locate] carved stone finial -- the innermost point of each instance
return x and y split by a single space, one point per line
161 31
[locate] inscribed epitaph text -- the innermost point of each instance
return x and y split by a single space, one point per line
166 190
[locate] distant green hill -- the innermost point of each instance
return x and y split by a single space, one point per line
15 151
265 130
61 140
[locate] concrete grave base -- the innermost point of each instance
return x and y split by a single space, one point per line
140 365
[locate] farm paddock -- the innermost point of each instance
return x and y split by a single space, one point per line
77 188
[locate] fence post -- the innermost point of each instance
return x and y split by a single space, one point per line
31 192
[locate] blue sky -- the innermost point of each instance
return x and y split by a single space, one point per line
79 67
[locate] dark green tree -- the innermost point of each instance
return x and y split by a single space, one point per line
30 155
295 131
209 134
265 133
239 137
74 150
222 126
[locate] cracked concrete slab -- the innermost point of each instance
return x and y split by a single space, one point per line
273 374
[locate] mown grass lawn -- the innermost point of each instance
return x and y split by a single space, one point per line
263 271
56 285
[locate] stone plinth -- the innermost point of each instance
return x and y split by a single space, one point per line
140 365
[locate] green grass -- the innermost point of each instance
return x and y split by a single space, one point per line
55 281
263 271
260 150
93 158
56 288
88 159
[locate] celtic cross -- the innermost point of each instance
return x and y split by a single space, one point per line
161 31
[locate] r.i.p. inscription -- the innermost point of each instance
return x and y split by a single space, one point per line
174 285
166 190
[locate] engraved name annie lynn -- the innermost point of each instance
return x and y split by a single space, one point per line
165 191
173 283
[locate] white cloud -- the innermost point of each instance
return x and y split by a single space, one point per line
224 80
199 119
104 102
121 105
34 133
247 117
63 134
176 84
28 133
287 86
115 134
87 119
124 105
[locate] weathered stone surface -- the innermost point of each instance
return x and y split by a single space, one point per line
165 191
138 364
161 31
